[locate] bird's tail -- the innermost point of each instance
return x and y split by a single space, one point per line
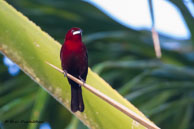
77 103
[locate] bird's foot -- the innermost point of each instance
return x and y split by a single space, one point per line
65 73
82 80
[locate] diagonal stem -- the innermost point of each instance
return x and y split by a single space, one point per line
109 100
155 36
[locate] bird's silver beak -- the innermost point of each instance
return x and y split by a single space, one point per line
77 32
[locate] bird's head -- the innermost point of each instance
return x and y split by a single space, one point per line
74 34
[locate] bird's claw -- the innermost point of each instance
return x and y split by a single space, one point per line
65 73
82 80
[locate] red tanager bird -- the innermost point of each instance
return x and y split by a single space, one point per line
74 60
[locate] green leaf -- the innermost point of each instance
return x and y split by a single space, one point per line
73 124
16 107
38 107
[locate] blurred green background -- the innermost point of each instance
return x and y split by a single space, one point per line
163 89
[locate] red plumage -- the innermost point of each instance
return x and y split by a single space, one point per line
74 60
